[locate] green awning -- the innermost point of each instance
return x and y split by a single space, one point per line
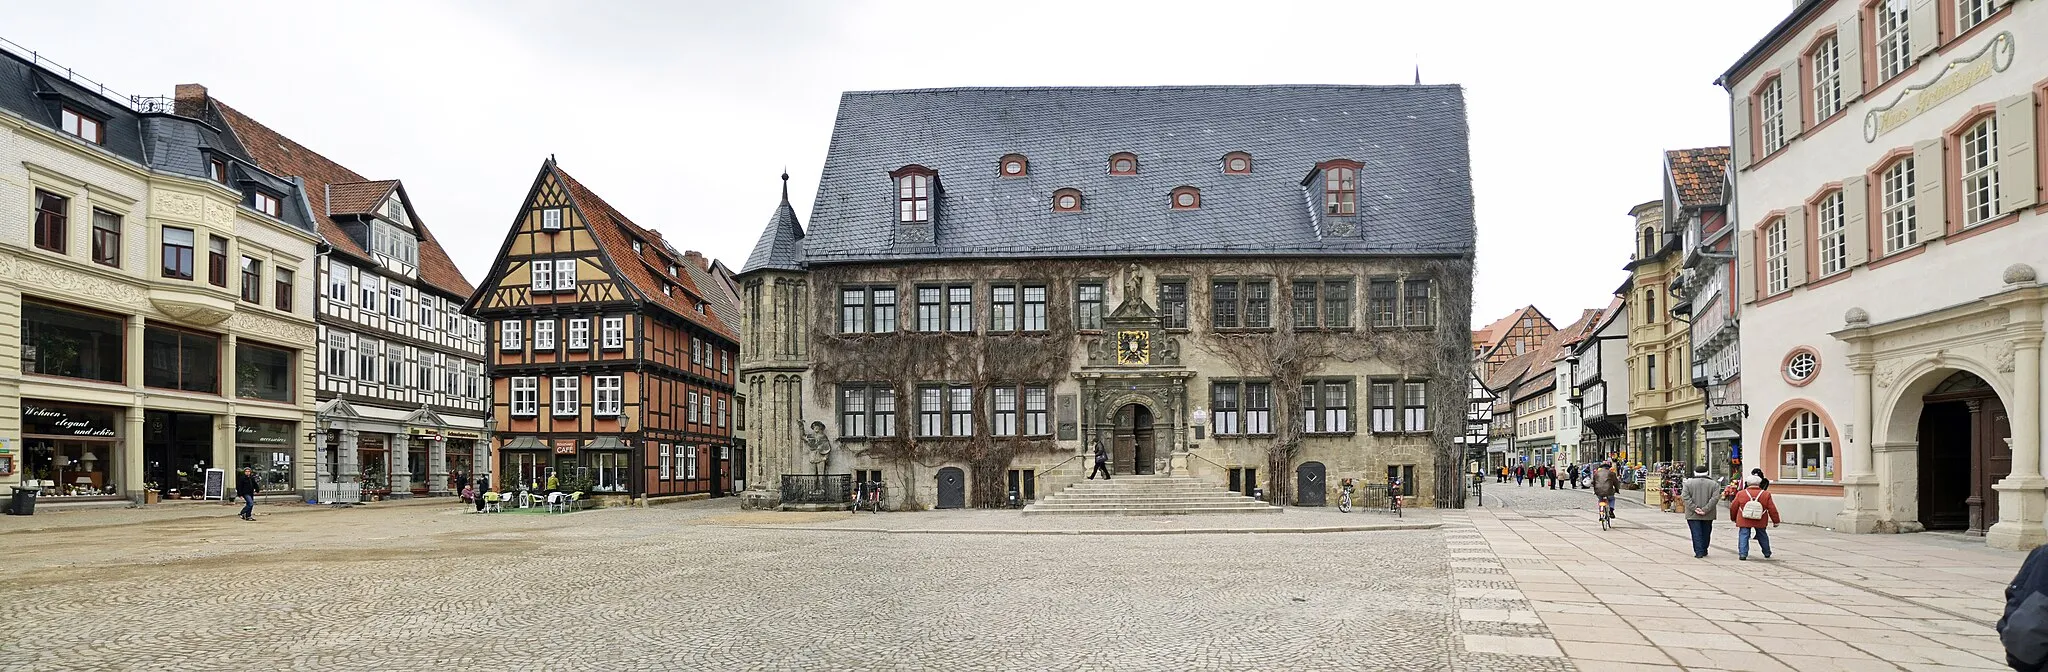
606 443
525 443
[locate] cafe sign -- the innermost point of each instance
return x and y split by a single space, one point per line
66 421
1952 81
565 446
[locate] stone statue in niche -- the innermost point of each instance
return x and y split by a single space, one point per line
818 446
1133 283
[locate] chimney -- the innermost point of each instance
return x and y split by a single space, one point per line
190 99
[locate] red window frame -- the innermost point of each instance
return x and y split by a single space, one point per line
52 221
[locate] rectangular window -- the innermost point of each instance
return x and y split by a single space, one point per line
690 408
1383 408
1224 410
1650 372
1827 78
1771 114
609 394
1326 406
1258 304
51 221
263 372
284 291
721 412
337 280
252 280
579 333
543 279
177 253
882 306
86 128
1980 172
1002 308
1969 13
267 204
931 411
614 333
960 308
429 312
394 305
511 335
1419 303
1382 301
181 360
1173 304
394 364
1034 308
960 408
853 411
853 310
1833 238
1322 303
526 396
1305 312
217 261
217 170
663 451
551 219
1340 191
929 308
1337 304
1037 418
544 334
1415 406
424 372
565 275
1894 43
1777 266
1003 411
335 363
106 238
689 462
1223 308
1024 482
568 395
57 341
1403 474
1088 306
1258 408
368 350
1896 200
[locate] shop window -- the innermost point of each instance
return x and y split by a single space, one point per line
1806 451
69 450
611 472
57 341
264 372
265 446
181 360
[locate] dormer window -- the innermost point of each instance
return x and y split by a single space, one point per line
636 247
668 289
1237 163
1066 200
671 270
913 194
268 204
1340 187
1015 165
1123 163
86 128
1187 198
217 170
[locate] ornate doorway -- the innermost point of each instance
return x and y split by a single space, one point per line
1136 450
1963 451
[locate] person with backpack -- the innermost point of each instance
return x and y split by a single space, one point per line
1605 484
2023 628
1751 508
1101 462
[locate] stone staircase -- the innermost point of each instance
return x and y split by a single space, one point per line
1146 496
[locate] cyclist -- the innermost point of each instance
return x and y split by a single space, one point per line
1344 499
1605 484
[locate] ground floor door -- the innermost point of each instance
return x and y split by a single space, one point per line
1962 453
952 488
1135 451
739 469
177 449
1309 489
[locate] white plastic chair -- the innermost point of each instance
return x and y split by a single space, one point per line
493 502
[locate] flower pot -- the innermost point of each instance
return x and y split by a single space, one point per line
150 497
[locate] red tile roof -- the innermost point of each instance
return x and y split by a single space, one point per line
1697 175
646 271
278 154
357 198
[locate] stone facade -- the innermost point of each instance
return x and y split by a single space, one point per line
1664 407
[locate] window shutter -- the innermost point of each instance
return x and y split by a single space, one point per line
2017 171
1745 265
1856 218
1792 88
1795 246
1742 131
1849 47
1923 28
1930 175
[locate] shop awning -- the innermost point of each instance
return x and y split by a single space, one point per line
525 443
606 443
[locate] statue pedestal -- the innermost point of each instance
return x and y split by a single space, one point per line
759 499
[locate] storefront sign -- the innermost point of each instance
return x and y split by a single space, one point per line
454 434
1950 82
66 420
262 432
565 446
423 433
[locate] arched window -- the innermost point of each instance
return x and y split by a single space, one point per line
1770 101
1186 198
1895 200
1806 451
1340 187
1979 163
1066 200
1123 163
1649 242
913 194
1237 163
1013 165
1649 306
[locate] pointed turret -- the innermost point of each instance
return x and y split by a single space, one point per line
781 245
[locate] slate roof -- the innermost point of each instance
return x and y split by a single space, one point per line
1415 190
1697 175
647 270
781 245
276 153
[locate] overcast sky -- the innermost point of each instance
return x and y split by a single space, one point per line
683 114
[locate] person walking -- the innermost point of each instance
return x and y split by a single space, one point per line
1606 484
1702 496
1101 462
1518 474
1751 507
1572 473
2023 628
483 485
245 487
1551 473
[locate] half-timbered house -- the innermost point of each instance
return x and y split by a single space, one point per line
611 353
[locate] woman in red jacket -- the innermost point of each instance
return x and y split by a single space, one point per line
1744 526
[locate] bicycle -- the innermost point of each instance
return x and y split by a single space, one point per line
1344 498
1606 512
875 497
1394 496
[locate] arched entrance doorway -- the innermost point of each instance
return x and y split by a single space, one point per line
1963 451
1135 449
1309 488
952 488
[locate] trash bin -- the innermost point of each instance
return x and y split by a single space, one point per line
23 503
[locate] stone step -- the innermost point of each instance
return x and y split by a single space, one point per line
1146 511
1139 497
1148 495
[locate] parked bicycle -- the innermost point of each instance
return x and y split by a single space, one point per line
875 496
1394 496
1344 496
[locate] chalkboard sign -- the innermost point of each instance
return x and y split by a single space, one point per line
216 484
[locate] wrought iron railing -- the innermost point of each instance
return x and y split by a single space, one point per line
817 488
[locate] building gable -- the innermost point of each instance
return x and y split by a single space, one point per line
549 232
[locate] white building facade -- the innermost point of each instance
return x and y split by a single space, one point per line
1887 171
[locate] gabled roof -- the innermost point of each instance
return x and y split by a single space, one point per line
1697 175
276 153
1414 189
781 245
356 198
646 270
1493 333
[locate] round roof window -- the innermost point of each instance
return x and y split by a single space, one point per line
1068 202
1185 199
1013 167
1123 165
1239 165
1800 366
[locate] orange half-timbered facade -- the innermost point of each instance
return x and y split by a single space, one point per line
611 358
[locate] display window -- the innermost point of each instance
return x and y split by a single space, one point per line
69 450
265 446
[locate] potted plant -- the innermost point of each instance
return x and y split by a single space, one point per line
151 493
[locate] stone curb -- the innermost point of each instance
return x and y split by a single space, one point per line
1108 532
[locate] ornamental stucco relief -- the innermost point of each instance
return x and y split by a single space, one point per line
1986 327
175 204
219 214
60 280
286 333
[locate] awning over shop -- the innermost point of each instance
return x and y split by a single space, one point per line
525 443
606 443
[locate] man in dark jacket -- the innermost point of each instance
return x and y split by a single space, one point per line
2024 627
245 487
1571 473
1101 462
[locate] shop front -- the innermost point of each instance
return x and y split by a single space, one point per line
373 458
177 449
71 450
266 447
527 463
